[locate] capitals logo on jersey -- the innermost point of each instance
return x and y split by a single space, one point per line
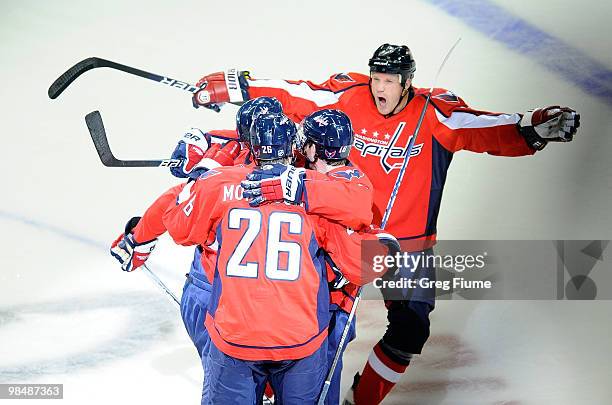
387 151
330 154
348 174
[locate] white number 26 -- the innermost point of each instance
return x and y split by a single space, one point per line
274 247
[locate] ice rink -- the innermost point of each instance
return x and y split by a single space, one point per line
69 315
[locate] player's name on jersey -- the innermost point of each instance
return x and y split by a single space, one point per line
426 283
232 192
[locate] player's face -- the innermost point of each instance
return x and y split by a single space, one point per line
386 90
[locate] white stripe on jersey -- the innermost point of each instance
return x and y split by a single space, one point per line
458 120
320 97
382 370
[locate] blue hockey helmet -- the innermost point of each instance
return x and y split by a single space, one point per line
249 110
331 132
272 136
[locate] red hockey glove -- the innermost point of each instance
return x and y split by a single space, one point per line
221 87
217 155
227 153
549 124
130 253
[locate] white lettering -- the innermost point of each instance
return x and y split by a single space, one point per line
232 192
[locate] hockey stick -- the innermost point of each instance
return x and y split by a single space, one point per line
160 283
98 136
61 83
385 219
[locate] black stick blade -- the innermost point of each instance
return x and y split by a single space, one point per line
98 136
61 83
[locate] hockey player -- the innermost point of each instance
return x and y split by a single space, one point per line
326 139
266 256
192 149
384 107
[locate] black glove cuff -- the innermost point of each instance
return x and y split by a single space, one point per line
532 138
131 224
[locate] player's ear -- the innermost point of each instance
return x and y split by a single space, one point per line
406 87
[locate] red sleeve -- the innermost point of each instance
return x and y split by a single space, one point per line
191 220
343 195
151 224
224 134
458 127
300 98
345 248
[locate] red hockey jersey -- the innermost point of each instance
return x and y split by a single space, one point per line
266 256
381 142
353 210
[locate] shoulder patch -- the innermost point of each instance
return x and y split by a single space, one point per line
208 173
344 78
348 174
448 96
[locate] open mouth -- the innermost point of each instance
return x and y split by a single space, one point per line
382 101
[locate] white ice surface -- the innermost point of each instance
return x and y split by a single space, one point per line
68 315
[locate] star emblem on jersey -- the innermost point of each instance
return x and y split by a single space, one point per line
364 131
375 134
348 174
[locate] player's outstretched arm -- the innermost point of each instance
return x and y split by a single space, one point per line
458 127
298 97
